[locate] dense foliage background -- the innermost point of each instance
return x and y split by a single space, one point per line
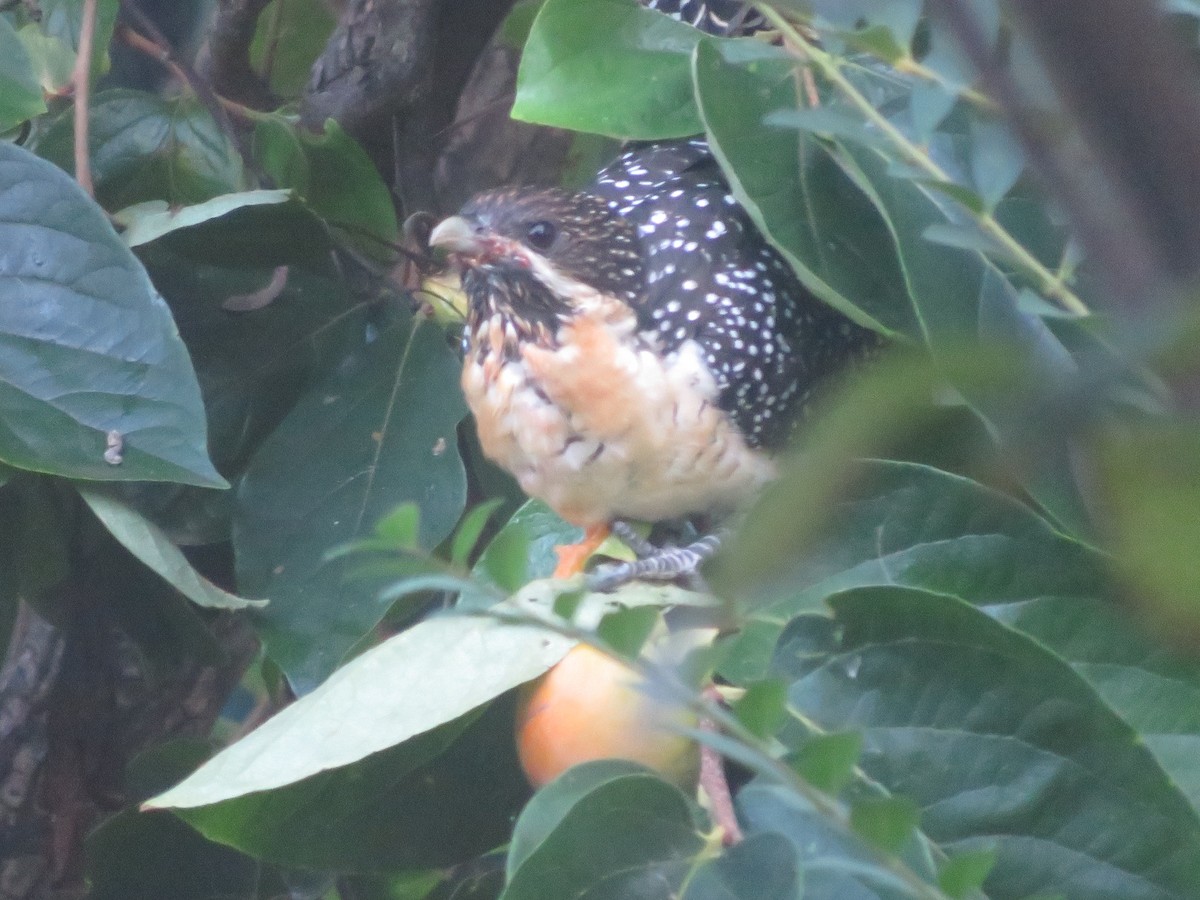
237 478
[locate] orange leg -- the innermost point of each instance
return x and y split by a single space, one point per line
572 557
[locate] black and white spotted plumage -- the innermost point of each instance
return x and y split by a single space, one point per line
633 349
719 17
710 277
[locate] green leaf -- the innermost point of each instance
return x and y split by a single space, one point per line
146 541
291 34
792 187
1148 478
90 360
148 856
443 668
52 61
602 830
852 17
20 92
762 867
149 221
909 524
965 873
835 863
380 430
549 806
761 709
441 797
1000 743
523 550
466 536
253 365
280 154
997 160
344 188
886 822
609 67
62 19
827 761
627 630
140 856
145 147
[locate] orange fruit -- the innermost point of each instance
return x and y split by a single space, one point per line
589 706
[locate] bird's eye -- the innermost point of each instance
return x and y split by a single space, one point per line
541 235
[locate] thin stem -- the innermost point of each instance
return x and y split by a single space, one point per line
82 79
1049 283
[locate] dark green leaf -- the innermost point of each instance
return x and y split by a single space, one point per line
610 67
762 867
435 800
145 147
253 365
612 835
344 189
140 856
1001 744
20 93
279 151
836 864
90 360
149 856
379 431
147 542
793 189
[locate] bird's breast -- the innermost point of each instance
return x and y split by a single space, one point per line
597 422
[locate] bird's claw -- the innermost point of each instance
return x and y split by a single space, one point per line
663 564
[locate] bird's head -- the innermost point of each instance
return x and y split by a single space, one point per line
548 248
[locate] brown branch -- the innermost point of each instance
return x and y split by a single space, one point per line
82 82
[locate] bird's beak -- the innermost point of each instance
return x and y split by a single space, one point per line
457 235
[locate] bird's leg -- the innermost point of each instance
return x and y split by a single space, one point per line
630 537
573 557
662 565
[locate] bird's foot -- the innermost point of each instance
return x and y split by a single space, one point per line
662 564
632 538
573 557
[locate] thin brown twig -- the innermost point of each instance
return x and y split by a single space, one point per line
144 45
81 78
715 784
135 40
165 53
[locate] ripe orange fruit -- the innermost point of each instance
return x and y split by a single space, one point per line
589 706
